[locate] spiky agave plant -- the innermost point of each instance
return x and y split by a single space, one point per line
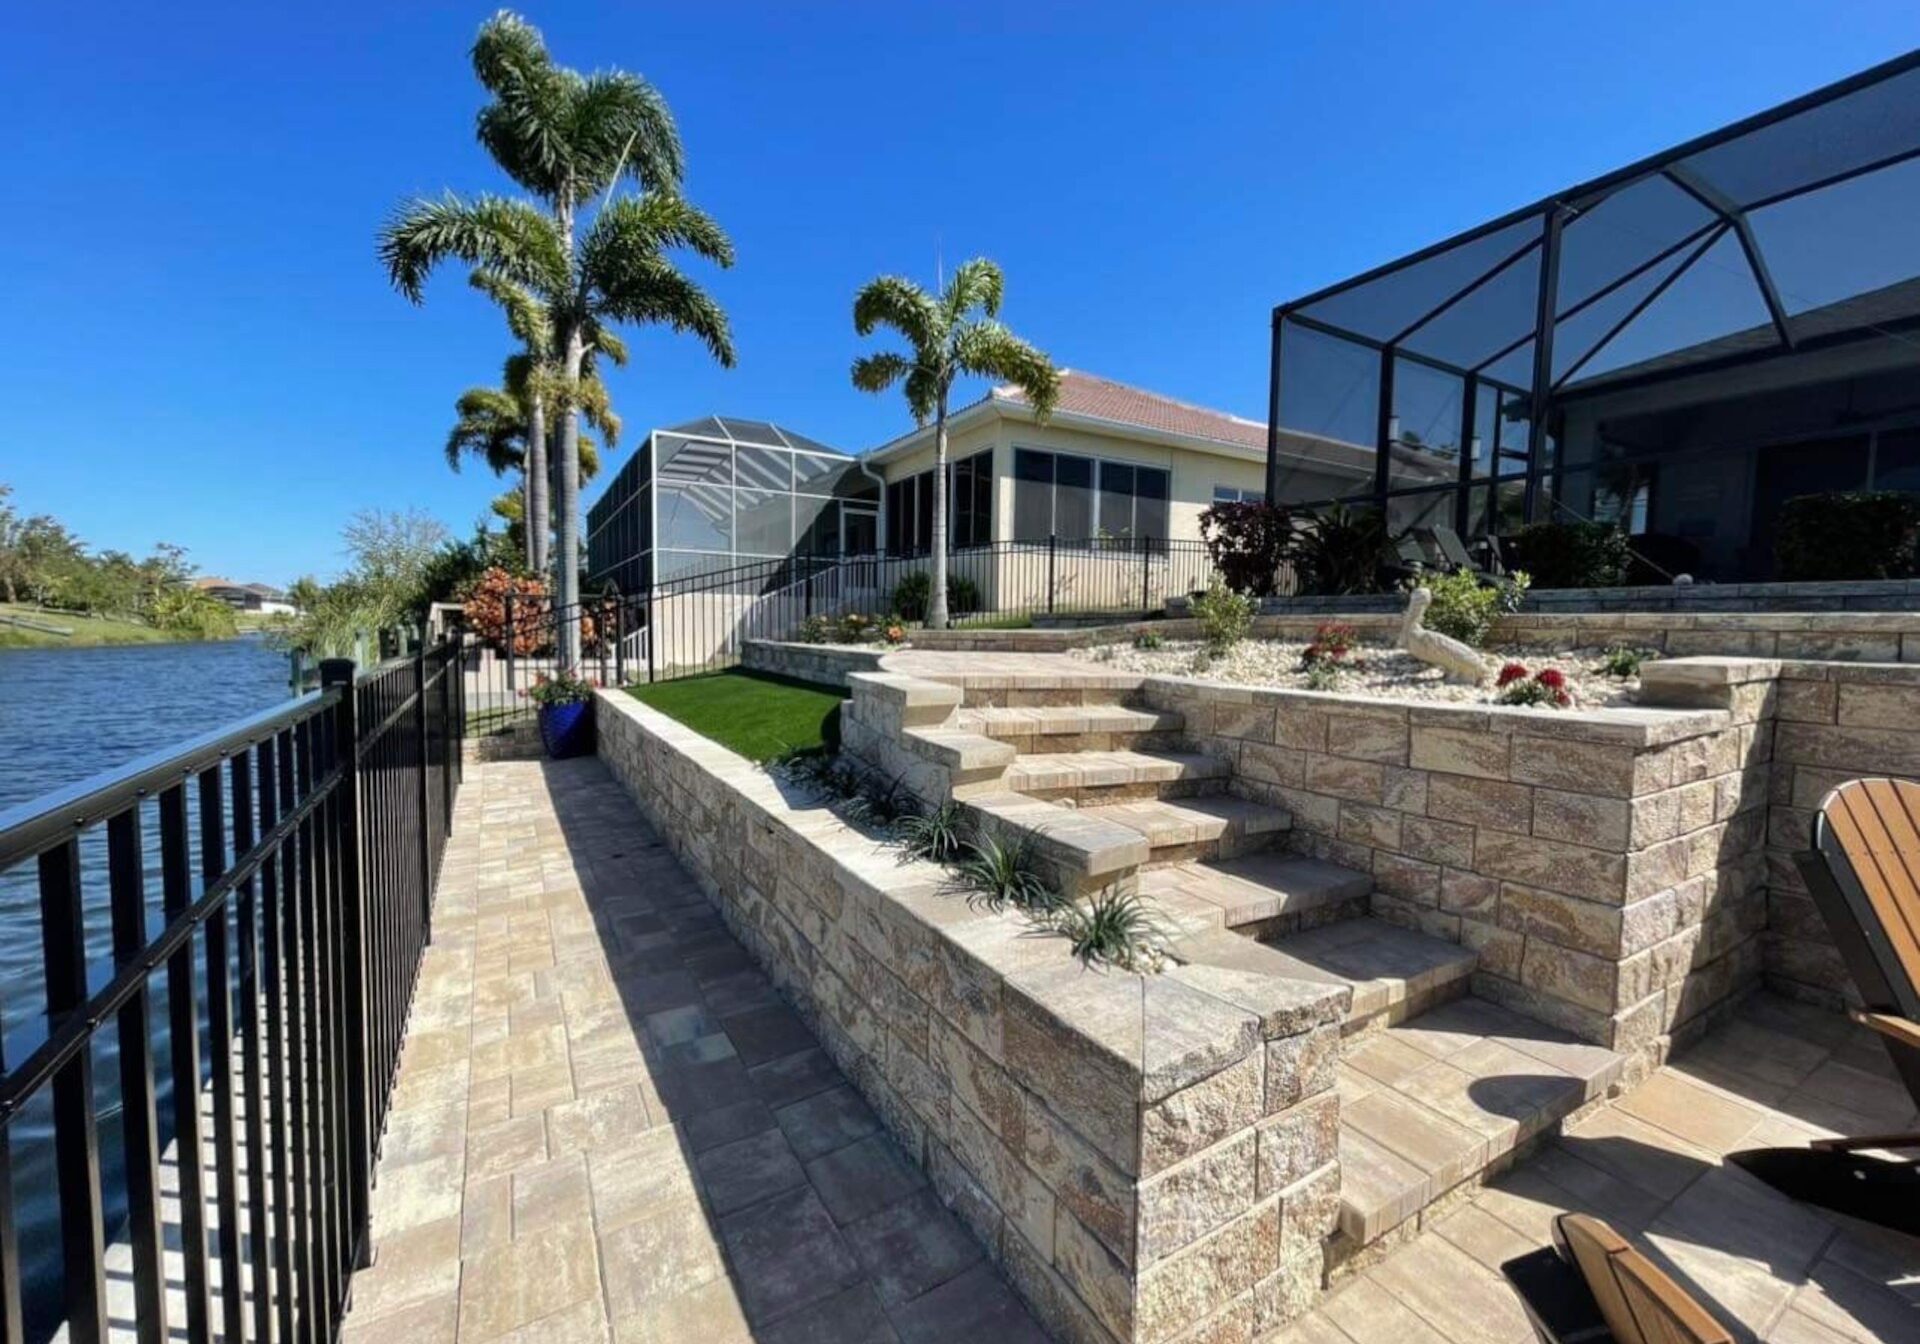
1005 872
939 836
1115 927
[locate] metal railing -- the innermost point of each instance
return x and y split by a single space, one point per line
271 884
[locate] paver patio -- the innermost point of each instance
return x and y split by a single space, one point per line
607 1124
1651 1163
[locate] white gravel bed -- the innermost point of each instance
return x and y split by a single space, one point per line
1386 672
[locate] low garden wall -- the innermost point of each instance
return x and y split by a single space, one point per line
821 664
1606 865
1147 1158
1865 595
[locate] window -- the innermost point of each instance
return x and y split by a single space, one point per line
1078 499
969 507
1229 494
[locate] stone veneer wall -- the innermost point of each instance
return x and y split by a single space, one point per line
1832 722
821 664
1607 866
1846 595
1146 1158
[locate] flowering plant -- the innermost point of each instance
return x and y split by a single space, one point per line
1333 645
1518 685
894 633
562 688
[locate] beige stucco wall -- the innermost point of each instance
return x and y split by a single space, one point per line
1193 473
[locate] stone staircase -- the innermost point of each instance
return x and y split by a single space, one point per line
1437 1089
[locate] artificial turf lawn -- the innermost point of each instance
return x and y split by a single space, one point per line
758 716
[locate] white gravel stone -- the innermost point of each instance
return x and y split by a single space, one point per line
1387 673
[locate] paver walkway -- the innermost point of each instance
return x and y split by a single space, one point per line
1650 1163
608 1125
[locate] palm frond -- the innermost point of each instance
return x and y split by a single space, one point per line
509 238
491 426
527 316
608 342
979 283
923 393
524 128
596 408
650 224
651 290
894 301
987 349
877 373
618 123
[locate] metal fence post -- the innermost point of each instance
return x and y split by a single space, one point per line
337 673
1146 576
1052 543
509 630
423 745
653 635
449 664
620 641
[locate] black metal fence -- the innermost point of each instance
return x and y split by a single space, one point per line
268 888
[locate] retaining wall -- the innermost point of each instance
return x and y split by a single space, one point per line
1146 1158
822 664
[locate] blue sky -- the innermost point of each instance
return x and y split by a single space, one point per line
200 347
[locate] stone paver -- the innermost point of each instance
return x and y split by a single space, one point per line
608 1125
1651 1163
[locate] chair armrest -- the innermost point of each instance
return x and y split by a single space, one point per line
1889 1024
1559 1305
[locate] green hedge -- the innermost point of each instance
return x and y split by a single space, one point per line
1847 534
1569 555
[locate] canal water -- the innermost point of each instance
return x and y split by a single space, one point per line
66 715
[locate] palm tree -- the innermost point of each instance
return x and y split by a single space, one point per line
947 340
568 138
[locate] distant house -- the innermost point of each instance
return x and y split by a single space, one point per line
257 597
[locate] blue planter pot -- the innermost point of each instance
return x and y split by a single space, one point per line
567 730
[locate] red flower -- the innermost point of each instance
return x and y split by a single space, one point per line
1511 673
1552 678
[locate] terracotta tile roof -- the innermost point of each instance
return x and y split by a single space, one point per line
1102 398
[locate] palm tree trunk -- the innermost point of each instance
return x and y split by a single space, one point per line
538 523
568 561
937 601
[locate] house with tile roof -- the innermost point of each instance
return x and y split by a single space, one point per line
1112 461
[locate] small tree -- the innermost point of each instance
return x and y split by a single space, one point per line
947 340
1248 542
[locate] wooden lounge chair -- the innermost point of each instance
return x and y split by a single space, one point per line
1592 1286
1863 873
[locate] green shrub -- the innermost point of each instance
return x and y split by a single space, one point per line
1623 662
1006 874
1324 676
1225 616
815 630
1248 543
1465 608
1570 555
1115 927
1148 640
939 835
1847 535
1340 551
915 590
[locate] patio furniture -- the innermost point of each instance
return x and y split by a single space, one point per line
1863 873
1592 1286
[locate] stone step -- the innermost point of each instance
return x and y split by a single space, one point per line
1093 778
1395 972
1440 1099
1076 728
1260 891
1180 830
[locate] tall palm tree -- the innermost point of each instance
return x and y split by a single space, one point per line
947 340
567 138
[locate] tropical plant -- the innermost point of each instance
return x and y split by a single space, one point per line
1225 616
560 688
567 138
912 596
1549 688
1623 662
1005 872
186 611
939 835
1465 608
1248 543
1115 927
1339 550
486 610
1847 534
1148 640
1570 554
945 339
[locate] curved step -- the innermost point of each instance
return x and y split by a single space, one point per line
1072 728
1179 830
1093 778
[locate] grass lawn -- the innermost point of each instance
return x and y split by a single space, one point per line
760 717
87 630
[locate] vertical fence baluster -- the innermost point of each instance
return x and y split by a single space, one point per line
213 865
246 908
126 885
304 1250
75 1134
272 972
352 916
183 1036
12 1309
